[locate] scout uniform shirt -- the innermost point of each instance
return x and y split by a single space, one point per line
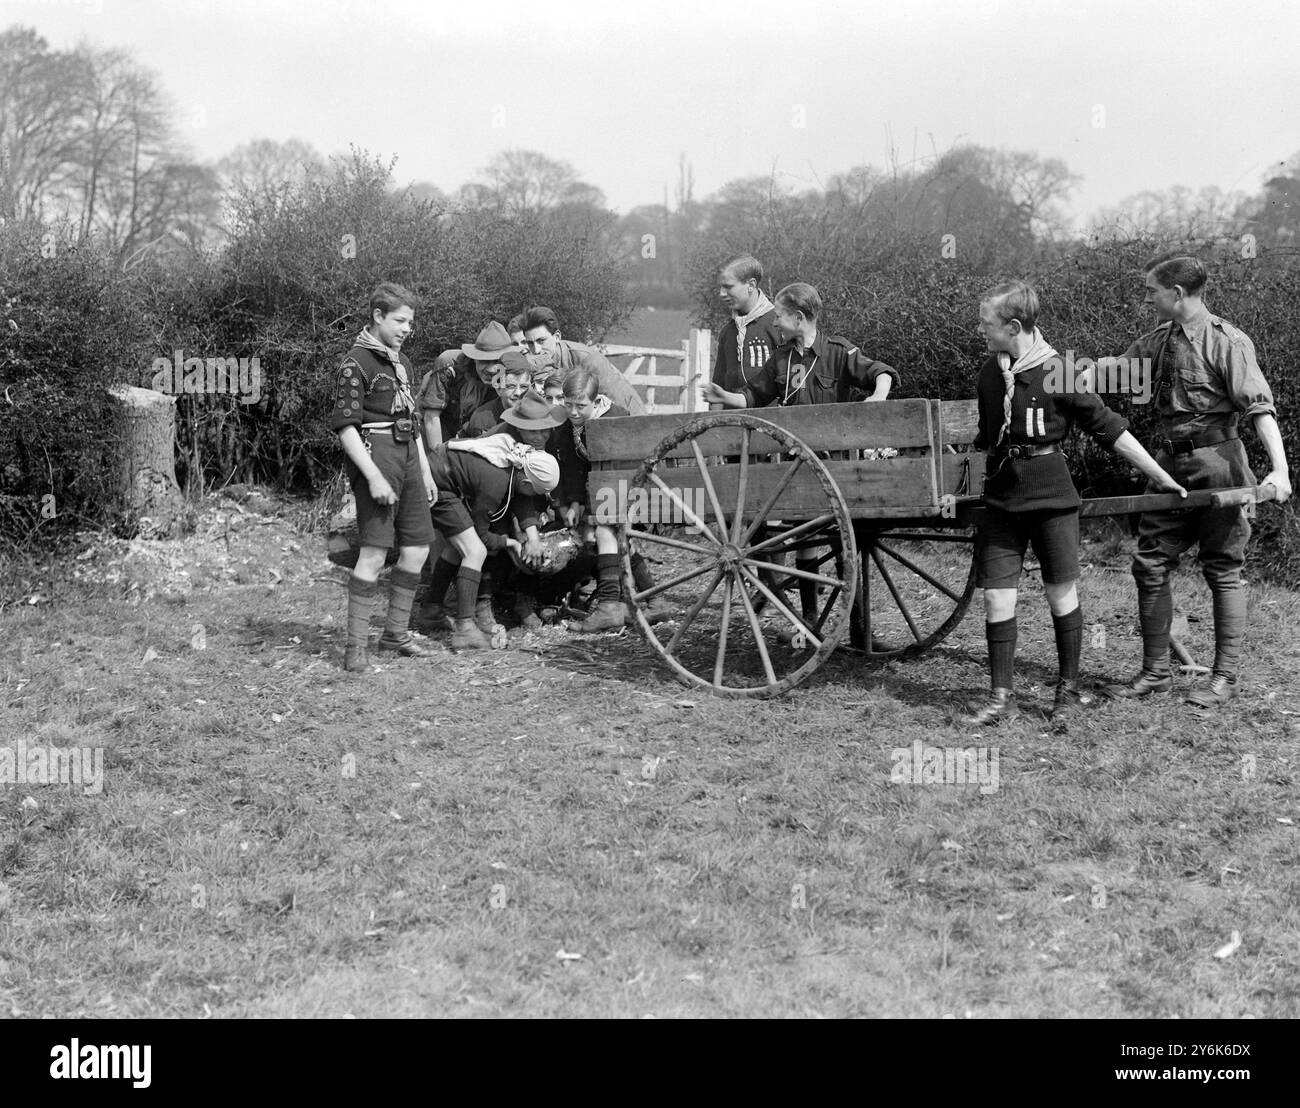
831 371
1041 414
1205 376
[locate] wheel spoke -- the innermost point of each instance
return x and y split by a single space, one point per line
786 536
898 598
720 664
826 608
709 489
918 571
865 601
678 543
685 508
672 583
695 610
771 501
790 571
781 607
757 628
741 479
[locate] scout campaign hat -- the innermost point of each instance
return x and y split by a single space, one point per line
533 413
492 342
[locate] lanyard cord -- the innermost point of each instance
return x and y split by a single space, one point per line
802 380
498 516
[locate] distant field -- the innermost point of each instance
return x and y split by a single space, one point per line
660 328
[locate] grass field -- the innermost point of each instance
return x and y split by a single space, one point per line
560 829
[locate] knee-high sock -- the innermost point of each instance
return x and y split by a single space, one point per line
1156 614
1001 638
361 599
444 572
641 575
1229 628
466 592
401 595
1069 642
607 577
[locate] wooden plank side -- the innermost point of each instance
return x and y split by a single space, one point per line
951 466
897 423
871 489
958 422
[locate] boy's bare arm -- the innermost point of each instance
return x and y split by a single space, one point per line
355 449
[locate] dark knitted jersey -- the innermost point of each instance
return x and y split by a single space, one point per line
1045 404
574 464
486 489
734 370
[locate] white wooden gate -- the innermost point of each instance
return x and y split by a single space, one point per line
677 390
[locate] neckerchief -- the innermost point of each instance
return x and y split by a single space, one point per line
763 306
603 404
1039 351
403 401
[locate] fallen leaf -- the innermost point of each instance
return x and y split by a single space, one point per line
1230 947
564 956
149 656
1067 899
1287 820
949 844
683 703
276 717
29 803
395 815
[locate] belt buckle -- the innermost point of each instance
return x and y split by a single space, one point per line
1017 452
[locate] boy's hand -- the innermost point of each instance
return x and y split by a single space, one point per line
1280 481
1165 483
533 552
716 394
381 492
571 514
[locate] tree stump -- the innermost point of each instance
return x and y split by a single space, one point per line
150 496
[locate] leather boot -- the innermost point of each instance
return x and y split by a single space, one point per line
467 636
1001 705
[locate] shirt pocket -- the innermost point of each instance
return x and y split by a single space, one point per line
1199 383
824 388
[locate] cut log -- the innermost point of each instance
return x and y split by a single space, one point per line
150 497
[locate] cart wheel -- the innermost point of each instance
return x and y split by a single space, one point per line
916 586
719 569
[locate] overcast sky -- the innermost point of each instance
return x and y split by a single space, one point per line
1131 95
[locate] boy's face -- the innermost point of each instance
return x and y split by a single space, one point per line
787 322
555 394
1164 300
532 437
998 335
394 328
540 340
739 296
517 337
511 387
580 410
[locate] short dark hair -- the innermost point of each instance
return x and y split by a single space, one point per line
540 317
1178 269
388 297
1014 300
745 268
554 381
515 324
800 297
581 384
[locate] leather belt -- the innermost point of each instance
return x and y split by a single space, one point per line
1186 446
1027 451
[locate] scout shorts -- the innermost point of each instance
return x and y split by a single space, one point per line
1004 537
405 523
